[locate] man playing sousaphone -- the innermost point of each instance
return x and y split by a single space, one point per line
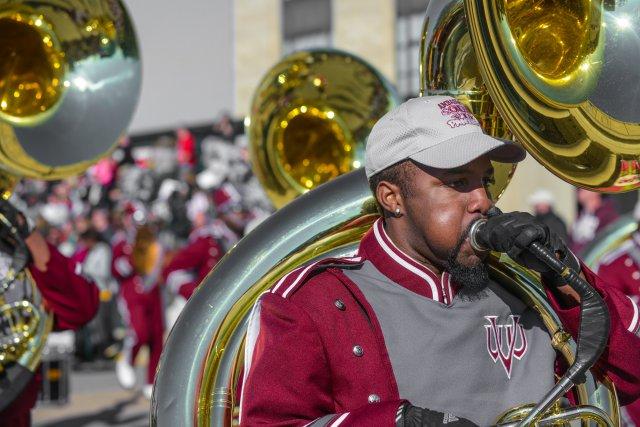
411 331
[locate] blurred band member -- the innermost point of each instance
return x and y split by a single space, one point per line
230 217
594 214
138 268
621 269
541 202
95 256
202 252
71 297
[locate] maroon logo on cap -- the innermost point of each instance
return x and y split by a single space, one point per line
457 114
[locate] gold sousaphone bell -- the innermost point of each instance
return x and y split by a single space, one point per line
557 74
70 79
310 118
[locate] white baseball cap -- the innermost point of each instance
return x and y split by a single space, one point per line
436 131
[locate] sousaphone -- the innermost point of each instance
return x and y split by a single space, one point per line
555 72
70 79
310 118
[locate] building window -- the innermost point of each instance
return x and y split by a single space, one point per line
306 24
409 17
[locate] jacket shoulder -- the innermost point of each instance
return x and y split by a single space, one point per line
313 277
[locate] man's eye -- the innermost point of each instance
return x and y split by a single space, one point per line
458 183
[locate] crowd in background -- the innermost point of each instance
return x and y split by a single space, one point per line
172 186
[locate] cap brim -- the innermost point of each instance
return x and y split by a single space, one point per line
464 149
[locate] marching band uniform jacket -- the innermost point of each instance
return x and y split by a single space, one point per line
316 353
73 300
140 304
620 268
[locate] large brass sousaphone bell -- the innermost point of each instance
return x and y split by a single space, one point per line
69 82
310 118
70 79
556 87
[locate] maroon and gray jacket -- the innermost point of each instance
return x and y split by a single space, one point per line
317 352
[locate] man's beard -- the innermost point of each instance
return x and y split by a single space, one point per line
472 280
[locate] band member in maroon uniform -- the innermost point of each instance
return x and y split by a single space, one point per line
193 262
412 331
594 214
620 268
138 268
70 296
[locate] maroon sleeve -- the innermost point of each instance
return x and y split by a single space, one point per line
620 359
614 274
188 258
287 376
72 298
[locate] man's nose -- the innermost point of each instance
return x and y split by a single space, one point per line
479 202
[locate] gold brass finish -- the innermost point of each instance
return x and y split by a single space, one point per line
556 47
557 416
448 66
310 118
28 326
69 82
324 137
565 90
33 69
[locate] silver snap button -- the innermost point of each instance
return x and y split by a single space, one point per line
340 305
373 398
358 351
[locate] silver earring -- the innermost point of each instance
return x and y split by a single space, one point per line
397 212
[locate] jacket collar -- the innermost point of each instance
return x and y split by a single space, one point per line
377 247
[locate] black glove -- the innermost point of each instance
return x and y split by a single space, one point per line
413 416
14 229
15 217
513 232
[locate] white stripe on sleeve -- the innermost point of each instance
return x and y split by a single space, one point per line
633 326
339 420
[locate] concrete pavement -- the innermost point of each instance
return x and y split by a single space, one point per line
96 400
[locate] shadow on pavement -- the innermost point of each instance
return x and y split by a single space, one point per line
111 416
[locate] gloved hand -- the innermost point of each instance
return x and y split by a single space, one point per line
513 232
15 217
414 416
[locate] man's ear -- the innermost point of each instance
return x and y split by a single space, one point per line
389 197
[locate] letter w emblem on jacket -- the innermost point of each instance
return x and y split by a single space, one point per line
504 342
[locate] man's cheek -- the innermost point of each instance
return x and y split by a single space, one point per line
448 225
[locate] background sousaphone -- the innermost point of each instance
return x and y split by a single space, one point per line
556 73
69 83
